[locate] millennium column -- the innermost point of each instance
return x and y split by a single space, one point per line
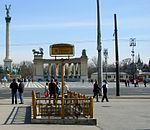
7 60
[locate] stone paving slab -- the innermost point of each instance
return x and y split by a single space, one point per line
123 114
117 114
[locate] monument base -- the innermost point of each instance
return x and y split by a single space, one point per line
7 64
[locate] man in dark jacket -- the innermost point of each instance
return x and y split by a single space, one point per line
14 87
52 88
20 90
96 90
104 88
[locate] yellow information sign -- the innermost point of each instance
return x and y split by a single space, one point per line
62 49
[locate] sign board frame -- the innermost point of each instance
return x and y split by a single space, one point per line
61 50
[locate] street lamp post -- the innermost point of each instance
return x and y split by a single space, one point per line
105 56
133 44
99 46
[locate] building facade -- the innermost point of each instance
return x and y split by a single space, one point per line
111 76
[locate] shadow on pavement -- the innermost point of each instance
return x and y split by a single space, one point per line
19 115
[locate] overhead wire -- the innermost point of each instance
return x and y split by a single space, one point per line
76 42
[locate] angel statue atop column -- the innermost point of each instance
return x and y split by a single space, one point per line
7 10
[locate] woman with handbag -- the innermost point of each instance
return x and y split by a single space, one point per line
46 92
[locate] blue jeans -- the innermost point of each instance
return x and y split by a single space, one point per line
21 97
14 96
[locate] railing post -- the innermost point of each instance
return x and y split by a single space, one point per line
34 104
91 107
62 99
62 108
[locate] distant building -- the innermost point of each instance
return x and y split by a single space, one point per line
144 74
111 76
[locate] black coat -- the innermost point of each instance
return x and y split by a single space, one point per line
96 89
104 88
21 87
53 88
14 86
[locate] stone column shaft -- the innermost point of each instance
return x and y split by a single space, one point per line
7 41
57 67
49 70
7 60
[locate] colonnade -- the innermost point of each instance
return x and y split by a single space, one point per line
71 69
75 68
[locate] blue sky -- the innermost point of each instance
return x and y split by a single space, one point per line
41 23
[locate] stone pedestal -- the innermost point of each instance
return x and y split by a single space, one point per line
84 68
38 67
7 64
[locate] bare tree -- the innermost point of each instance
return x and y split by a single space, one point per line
94 61
92 66
26 69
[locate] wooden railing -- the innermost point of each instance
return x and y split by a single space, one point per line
74 105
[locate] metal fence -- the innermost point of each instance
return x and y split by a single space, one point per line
74 105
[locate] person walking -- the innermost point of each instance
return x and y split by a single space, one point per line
125 83
58 87
144 81
96 90
66 88
104 91
135 83
21 90
128 83
52 89
46 91
66 91
14 87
